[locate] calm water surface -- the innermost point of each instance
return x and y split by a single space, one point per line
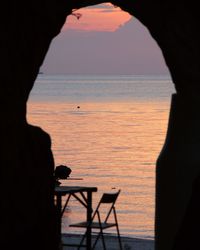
112 141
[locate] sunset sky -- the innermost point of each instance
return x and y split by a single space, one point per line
98 18
104 40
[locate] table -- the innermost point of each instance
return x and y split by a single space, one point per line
86 201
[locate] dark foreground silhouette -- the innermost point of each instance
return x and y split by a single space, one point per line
29 218
188 236
61 172
27 215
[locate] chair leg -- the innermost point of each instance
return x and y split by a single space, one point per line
119 238
81 242
97 238
118 234
103 241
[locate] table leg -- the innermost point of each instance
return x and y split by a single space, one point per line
59 215
89 218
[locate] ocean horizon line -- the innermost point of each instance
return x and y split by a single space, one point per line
103 75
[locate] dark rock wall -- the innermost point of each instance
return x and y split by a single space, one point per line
26 187
175 27
27 213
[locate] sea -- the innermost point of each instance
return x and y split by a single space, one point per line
109 130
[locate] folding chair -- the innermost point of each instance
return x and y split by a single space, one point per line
108 199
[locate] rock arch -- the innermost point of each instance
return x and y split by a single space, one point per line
26 33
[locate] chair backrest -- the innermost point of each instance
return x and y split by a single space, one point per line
107 198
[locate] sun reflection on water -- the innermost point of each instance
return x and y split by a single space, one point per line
111 146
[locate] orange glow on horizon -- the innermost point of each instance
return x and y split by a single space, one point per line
98 18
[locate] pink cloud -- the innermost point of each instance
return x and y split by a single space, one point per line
104 17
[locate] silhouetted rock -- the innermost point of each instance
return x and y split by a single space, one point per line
27 29
187 237
27 213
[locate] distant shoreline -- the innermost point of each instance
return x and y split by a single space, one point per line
106 75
